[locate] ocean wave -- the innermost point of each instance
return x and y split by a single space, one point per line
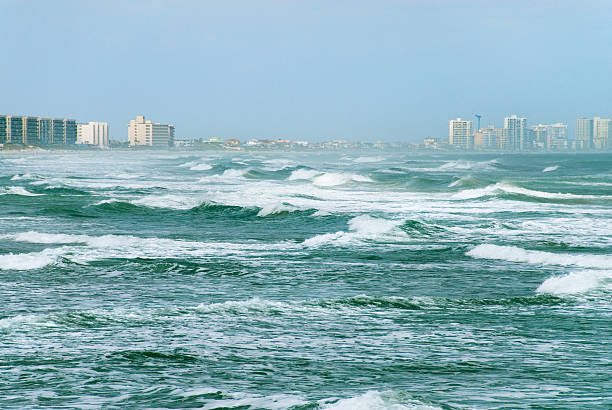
170 201
201 167
303 173
29 261
465 165
576 282
366 160
467 180
327 179
84 249
501 188
24 177
16 190
552 168
363 227
515 254
230 175
377 400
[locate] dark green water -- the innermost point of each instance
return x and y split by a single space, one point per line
349 280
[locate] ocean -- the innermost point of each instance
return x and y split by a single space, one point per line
305 280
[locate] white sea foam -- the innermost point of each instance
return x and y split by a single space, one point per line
27 261
200 167
363 227
366 160
275 208
229 176
22 177
502 187
576 282
461 181
250 401
515 254
333 179
549 169
169 201
17 190
303 174
85 248
374 400
463 165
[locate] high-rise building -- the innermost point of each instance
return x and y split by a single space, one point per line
557 136
460 133
93 133
143 132
3 131
539 136
36 131
602 133
584 133
517 133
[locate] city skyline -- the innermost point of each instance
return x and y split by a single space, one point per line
318 70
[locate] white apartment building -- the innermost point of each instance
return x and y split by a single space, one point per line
460 133
584 133
93 133
143 132
602 132
517 133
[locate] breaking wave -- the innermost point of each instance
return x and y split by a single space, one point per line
515 254
17 190
327 179
503 188
549 169
576 282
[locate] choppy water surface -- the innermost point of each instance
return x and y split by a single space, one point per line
305 280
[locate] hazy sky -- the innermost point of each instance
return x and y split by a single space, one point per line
361 70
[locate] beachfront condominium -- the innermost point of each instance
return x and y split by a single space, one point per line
93 133
517 133
25 130
143 132
602 133
584 133
460 133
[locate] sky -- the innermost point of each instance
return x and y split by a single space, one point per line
390 70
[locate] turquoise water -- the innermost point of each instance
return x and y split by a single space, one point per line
277 280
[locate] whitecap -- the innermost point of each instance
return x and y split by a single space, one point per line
275 208
502 187
27 261
515 254
18 190
575 282
363 227
549 169
365 160
200 167
302 173
333 179
375 400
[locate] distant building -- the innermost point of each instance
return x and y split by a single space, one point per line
488 138
143 132
584 133
517 133
539 136
557 137
27 130
602 133
460 133
431 143
93 133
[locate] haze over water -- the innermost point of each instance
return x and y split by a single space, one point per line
365 279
